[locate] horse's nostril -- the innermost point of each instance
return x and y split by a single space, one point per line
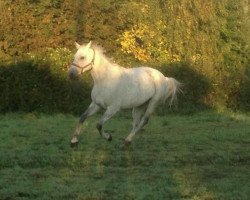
72 76
72 73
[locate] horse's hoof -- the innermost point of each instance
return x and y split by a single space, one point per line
110 138
125 145
73 144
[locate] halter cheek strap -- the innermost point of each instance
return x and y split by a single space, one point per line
91 63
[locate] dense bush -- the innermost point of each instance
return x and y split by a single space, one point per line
202 43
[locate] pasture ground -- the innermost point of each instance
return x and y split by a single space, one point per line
200 156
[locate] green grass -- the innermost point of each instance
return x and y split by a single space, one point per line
201 156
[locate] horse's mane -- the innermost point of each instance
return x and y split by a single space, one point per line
98 49
101 51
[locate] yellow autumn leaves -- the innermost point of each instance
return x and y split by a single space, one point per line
147 43
133 42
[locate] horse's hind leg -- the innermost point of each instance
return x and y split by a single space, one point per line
107 115
145 114
92 109
137 113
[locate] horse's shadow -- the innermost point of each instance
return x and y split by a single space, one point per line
30 87
243 97
195 88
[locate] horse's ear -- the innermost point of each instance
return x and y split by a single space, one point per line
77 45
89 45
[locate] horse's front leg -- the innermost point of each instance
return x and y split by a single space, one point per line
107 115
92 109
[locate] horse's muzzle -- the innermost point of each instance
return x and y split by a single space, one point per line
72 72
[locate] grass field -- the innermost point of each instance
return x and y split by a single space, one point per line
201 156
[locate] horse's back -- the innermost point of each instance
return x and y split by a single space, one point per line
129 88
156 76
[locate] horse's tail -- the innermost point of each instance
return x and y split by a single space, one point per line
173 87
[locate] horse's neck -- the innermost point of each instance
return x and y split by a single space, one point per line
99 71
103 70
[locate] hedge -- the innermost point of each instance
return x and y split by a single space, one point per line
203 44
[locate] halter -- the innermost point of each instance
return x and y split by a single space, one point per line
91 63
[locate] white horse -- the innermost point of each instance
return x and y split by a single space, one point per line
117 88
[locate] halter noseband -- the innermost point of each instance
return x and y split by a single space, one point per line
91 63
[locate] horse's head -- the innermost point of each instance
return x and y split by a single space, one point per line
83 60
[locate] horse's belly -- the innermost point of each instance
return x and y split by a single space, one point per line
137 95
134 103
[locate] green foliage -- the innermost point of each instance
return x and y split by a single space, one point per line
58 59
208 39
202 156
